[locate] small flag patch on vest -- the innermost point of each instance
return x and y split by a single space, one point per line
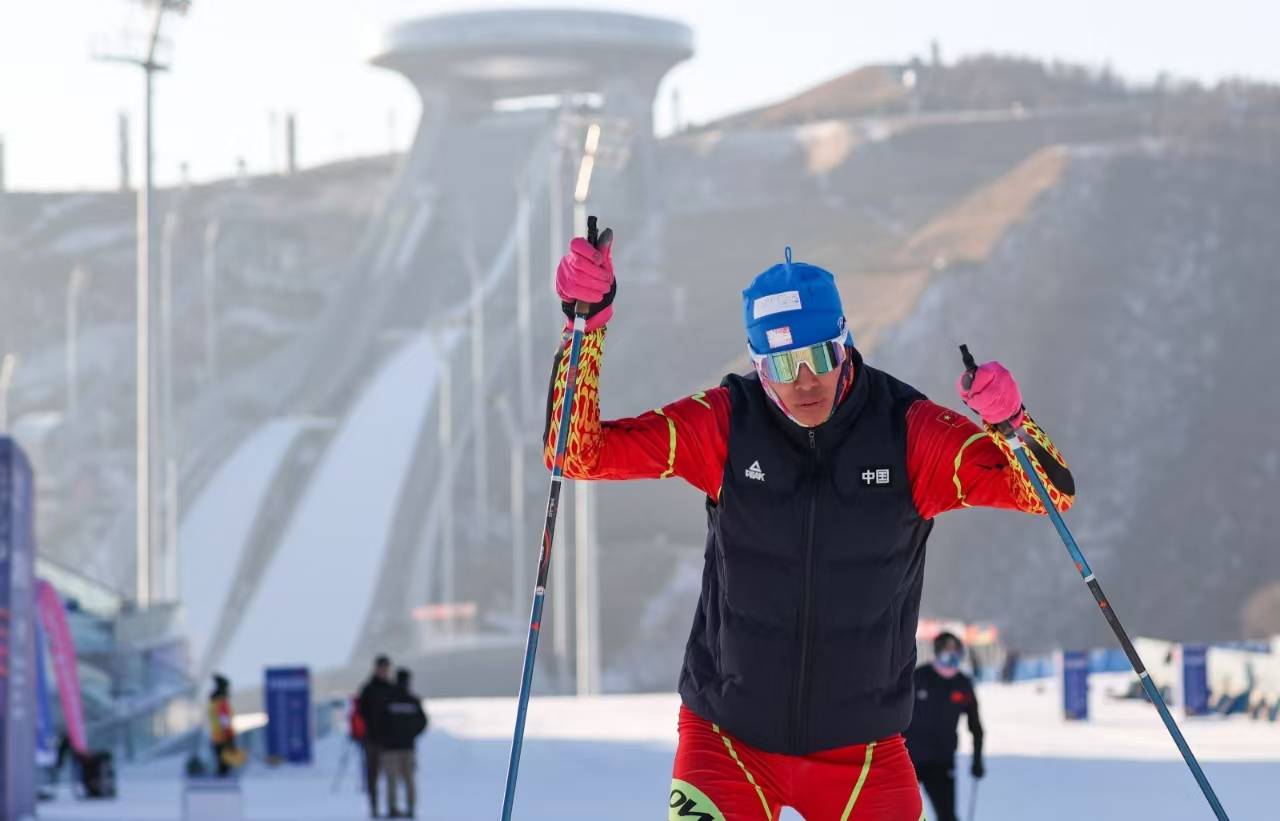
876 476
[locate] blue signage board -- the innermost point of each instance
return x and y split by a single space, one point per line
1195 679
17 634
289 730
1075 685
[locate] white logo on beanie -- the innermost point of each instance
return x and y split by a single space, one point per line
776 304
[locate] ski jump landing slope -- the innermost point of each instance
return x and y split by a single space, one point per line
308 608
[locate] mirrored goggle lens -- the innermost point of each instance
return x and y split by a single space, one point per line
784 366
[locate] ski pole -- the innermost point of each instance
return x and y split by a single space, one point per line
342 768
342 763
1086 573
548 531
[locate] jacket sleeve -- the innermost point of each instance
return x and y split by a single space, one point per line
215 724
952 463
975 724
362 705
687 438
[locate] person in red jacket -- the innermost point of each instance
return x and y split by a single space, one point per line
371 705
822 478
222 734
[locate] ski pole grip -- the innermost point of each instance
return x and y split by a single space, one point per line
970 365
971 368
597 240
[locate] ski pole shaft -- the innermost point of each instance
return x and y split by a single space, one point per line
1086 573
548 535
342 767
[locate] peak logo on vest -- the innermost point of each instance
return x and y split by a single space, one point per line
878 476
755 471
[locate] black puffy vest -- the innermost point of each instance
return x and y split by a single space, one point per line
804 638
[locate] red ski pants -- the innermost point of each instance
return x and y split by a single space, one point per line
719 778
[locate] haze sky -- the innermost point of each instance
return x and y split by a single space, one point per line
239 64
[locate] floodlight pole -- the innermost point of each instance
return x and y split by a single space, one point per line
143 350
8 364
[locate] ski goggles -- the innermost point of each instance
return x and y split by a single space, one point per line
784 366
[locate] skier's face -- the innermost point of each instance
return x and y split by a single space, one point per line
809 398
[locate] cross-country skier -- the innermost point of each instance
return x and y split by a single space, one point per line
943 694
822 477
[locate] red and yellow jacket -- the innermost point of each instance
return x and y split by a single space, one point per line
951 462
220 729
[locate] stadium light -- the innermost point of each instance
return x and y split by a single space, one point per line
75 286
586 558
147 60
7 366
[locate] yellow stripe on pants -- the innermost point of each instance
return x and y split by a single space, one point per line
862 779
728 745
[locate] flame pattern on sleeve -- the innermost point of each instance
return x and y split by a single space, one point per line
1050 467
586 439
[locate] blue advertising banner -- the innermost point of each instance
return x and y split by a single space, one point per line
1075 685
17 635
289 730
1195 679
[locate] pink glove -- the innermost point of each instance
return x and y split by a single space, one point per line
585 275
993 394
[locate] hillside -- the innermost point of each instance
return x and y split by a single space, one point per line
1113 244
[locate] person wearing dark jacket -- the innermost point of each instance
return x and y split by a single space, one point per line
371 705
943 694
823 477
403 721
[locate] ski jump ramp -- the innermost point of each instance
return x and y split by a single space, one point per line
358 546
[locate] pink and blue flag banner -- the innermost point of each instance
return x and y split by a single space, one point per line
62 651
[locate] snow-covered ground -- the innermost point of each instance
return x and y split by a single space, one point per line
610 758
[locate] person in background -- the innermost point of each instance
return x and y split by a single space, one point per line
1009 670
402 723
221 733
371 706
943 694
356 731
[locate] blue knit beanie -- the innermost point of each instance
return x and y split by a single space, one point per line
792 305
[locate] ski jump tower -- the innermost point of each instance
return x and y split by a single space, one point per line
481 199
467 61
479 203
